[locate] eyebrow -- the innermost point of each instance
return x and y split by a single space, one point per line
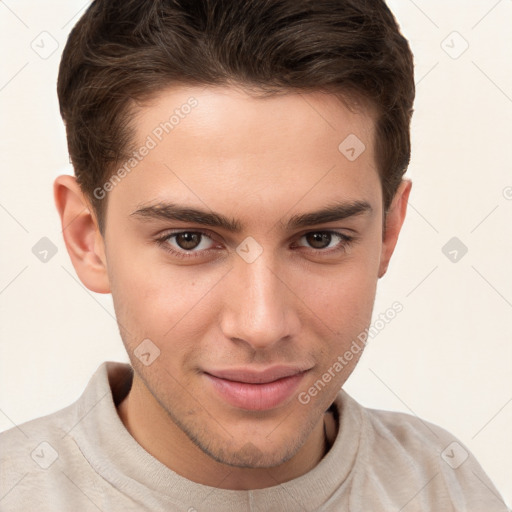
175 212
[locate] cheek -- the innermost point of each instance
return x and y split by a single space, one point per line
166 308
344 306
341 296
155 299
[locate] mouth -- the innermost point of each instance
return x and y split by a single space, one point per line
256 390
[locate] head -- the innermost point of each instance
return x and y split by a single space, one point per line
239 190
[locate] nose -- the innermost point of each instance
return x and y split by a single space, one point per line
259 307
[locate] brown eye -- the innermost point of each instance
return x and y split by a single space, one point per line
188 240
325 242
319 240
186 243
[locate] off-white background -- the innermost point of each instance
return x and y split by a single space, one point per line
446 357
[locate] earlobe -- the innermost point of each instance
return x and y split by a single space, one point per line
82 237
394 221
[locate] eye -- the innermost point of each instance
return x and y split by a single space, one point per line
197 243
186 243
189 240
322 240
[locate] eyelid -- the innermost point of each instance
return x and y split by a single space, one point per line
164 237
345 242
329 229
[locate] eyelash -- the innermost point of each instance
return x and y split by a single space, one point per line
345 242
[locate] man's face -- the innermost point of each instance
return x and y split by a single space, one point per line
232 310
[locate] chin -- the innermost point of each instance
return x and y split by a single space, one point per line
249 452
250 456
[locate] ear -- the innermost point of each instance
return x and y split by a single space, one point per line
82 236
393 223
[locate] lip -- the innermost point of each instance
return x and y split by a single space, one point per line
256 390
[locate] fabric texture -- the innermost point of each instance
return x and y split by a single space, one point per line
82 458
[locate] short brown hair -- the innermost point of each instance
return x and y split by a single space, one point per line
124 51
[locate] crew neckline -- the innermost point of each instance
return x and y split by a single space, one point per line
117 457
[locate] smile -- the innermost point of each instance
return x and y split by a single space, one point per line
256 391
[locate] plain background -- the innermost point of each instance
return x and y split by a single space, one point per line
446 357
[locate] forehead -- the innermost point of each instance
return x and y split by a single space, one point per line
222 147
214 112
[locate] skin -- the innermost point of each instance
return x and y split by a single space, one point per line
258 161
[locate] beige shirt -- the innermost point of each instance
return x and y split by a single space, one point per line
82 458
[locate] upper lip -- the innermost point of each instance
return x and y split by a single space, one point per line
252 376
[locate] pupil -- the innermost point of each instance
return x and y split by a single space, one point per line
319 240
188 240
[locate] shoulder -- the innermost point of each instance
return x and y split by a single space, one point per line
42 465
410 432
404 455
57 427
33 457
20 440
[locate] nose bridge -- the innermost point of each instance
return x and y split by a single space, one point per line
260 310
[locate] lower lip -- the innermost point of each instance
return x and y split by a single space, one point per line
256 397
